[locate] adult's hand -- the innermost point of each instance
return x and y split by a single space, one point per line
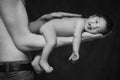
90 37
58 15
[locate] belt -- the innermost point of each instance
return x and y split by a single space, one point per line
12 67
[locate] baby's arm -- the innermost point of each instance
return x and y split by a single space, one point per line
77 40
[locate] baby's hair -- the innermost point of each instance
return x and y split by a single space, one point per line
109 24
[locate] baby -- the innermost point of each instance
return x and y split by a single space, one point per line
66 27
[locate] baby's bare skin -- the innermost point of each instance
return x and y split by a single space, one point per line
63 27
60 27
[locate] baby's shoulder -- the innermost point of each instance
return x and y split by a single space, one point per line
80 22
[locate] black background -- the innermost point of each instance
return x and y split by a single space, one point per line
99 59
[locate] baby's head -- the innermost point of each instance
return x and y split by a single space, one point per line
99 23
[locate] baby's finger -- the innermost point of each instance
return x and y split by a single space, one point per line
75 57
70 58
73 61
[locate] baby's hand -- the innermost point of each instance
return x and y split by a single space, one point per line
74 56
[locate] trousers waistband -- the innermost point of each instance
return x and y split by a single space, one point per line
15 66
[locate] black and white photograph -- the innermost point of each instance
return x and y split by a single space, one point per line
59 40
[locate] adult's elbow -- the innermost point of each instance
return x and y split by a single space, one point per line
22 46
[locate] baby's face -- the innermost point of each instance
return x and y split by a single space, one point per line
95 24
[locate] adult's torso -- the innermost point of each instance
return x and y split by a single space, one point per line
8 51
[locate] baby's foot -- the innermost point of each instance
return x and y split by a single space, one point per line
46 66
36 66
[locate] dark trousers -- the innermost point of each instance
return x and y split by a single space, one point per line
17 70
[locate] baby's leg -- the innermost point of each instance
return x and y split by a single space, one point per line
50 36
